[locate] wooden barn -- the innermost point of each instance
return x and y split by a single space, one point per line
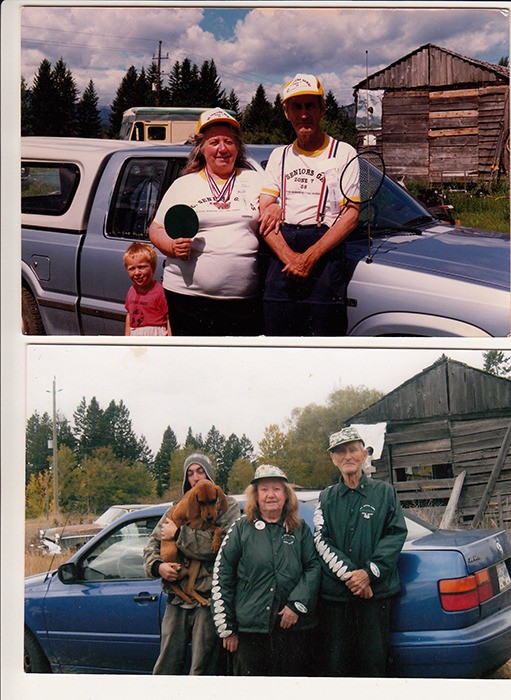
437 117
448 427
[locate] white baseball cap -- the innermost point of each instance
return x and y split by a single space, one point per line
302 84
214 116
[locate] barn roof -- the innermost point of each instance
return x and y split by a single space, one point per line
433 66
446 388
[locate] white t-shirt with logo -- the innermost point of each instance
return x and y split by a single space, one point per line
223 260
311 178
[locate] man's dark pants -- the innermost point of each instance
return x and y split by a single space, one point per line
354 637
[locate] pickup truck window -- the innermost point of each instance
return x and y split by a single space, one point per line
48 188
136 198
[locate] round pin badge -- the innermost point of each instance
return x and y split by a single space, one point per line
259 525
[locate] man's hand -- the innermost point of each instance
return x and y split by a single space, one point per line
358 583
300 264
288 618
231 643
169 571
269 219
168 530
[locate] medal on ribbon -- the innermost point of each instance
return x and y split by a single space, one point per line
221 195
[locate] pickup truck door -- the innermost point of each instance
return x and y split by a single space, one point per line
120 215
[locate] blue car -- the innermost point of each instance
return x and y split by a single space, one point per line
99 613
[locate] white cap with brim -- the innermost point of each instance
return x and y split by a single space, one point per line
268 471
216 116
302 84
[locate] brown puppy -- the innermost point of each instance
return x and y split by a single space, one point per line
199 509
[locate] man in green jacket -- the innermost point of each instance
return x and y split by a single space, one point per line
359 533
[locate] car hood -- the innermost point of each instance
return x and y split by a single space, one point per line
458 252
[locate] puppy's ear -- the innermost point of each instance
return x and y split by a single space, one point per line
222 500
193 510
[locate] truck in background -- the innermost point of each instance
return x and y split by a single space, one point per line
168 124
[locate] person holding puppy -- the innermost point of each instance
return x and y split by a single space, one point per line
187 622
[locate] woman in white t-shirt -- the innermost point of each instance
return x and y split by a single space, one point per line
211 281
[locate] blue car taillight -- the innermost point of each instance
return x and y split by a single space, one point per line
468 592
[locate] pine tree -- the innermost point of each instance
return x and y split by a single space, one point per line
160 468
66 99
117 432
185 85
214 445
38 432
195 442
281 130
125 98
211 92
93 434
26 107
87 114
45 120
256 117
234 104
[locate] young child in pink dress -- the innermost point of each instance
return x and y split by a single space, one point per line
146 306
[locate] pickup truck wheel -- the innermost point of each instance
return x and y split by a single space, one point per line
31 322
34 659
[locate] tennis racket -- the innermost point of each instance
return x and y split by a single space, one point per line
368 167
360 182
181 221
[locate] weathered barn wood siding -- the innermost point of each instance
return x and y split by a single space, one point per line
443 116
450 418
476 445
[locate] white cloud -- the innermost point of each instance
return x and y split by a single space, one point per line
267 46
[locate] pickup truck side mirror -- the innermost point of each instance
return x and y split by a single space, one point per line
68 573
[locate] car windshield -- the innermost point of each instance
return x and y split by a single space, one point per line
392 208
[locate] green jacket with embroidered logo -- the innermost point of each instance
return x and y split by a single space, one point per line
259 569
361 528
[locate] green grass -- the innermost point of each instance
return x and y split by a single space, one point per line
476 205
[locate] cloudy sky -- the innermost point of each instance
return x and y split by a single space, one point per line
239 390
251 45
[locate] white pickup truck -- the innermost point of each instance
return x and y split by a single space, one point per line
85 200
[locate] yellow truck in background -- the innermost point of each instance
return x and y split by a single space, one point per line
168 124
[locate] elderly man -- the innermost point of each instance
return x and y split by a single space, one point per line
305 286
359 533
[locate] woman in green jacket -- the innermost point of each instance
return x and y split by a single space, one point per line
265 581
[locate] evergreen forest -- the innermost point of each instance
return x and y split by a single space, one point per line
52 106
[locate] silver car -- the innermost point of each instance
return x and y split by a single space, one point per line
410 274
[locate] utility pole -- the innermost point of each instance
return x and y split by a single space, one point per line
55 464
158 82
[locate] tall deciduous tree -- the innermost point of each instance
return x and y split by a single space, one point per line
308 461
240 475
496 362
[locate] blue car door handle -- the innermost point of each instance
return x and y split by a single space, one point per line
145 598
